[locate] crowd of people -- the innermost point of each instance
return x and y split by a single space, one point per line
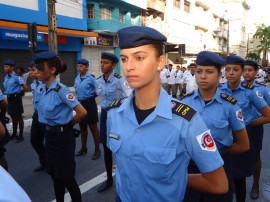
176 134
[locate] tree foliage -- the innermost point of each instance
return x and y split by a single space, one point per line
253 56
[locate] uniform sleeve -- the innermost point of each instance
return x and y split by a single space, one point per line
20 80
201 146
266 95
236 118
67 97
1 96
257 99
125 88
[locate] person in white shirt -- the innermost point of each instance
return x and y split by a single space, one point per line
171 81
223 76
163 78
260 75
189 82
178 79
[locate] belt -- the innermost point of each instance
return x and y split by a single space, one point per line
57 129
14 95
91 99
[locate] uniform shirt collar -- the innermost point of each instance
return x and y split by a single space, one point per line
216 96
110 79
163 108
53 85
226 86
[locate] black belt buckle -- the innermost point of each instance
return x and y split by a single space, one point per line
54 129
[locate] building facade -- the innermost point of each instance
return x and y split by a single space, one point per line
71 30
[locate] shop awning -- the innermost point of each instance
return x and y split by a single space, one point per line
60 31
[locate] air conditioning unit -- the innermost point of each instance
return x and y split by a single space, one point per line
90 41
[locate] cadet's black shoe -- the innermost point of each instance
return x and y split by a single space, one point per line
19 139
105 185
81 152
39 168
254 194
96 155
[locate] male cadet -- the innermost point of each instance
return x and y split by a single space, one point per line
171 81
189 82
163 77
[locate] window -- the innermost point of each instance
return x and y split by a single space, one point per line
122 16
133 19
187 6
105 13
90 11
177 3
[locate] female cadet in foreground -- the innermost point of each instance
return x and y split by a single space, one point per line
14 89
85 87
152 135
226 126
249 74
55 112
248 99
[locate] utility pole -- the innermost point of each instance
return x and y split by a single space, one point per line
228 39
52 27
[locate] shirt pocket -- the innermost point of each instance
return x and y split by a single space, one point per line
50 111
111 92
114 144
220 124
158 162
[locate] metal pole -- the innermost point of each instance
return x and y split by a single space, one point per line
52 27
228 38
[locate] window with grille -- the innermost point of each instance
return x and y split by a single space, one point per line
122 16
187 6
177 3
90 11
105 13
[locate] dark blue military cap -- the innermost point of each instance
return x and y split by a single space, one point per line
109 56
83 61
135 36
251 63
234 59
207 58
31 64
9 62
45 55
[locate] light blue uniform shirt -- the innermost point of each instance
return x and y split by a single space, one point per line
246 99
85 87
114 88
56 107
261 90
152 157
12 84
37 88
221 116
1 96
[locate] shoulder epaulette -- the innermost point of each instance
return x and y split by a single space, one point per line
228 98
99 77
57 87
117 75
220 85
93 75
247 85
182 110
116 103
187 95
261 83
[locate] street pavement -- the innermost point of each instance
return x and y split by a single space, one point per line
89 174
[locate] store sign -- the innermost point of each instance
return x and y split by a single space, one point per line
18 35
104 40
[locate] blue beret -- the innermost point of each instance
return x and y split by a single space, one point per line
83 61
31 64
9 62
234 59
251 63
45 55
207 58
110 56
135 36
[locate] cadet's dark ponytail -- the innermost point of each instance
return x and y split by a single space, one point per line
56 62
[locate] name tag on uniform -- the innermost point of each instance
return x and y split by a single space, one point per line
114 136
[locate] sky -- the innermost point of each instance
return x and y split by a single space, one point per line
259 10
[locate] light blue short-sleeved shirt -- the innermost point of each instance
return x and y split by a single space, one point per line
85 87
55 107
114 88
152 157
37 88
12 83
1 96
222 116
247 98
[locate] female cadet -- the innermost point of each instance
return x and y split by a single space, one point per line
4 134
248 99
14 89
37 134
152 135
111 87
85 87
225 125
55 112
249 74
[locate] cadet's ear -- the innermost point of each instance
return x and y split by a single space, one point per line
161 63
